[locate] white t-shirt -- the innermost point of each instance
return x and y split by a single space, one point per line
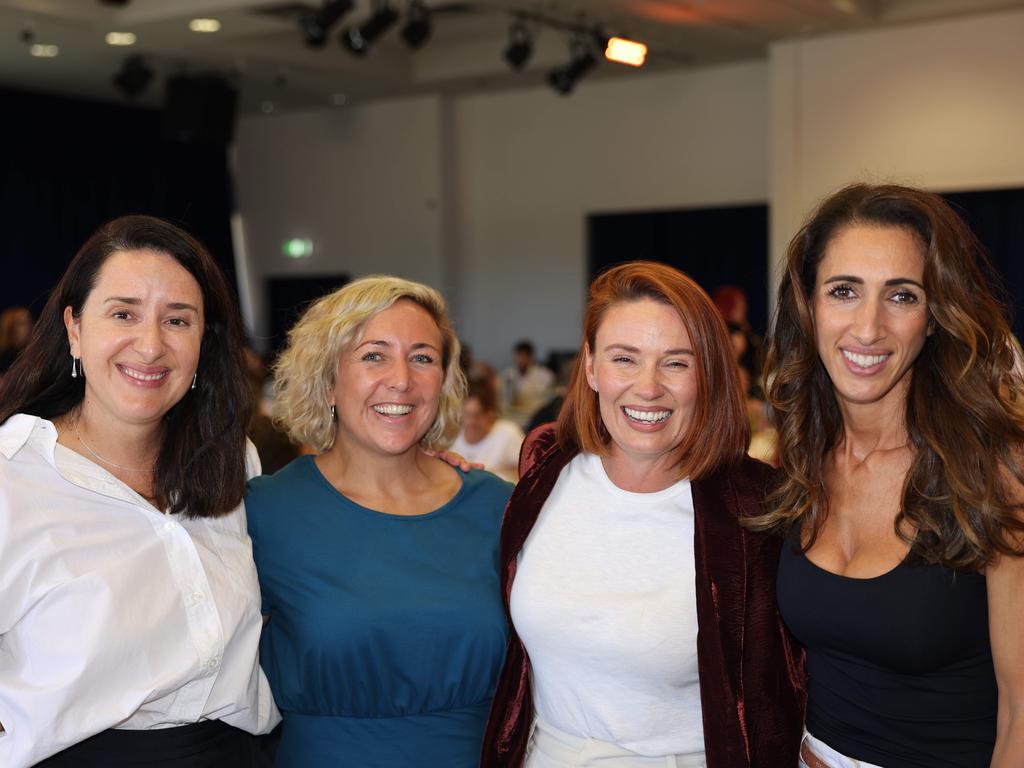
498 452
604 599
113 614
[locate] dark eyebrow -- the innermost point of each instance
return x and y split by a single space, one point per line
860 281
132 301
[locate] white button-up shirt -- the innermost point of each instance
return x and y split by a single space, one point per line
113 614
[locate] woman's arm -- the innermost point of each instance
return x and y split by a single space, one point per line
1006 626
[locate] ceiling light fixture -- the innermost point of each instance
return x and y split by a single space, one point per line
133 77
622 50
564 79
359 40
120 38
417 26
204 25
44 50
520 44
316 25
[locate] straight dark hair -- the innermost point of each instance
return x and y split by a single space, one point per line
200 469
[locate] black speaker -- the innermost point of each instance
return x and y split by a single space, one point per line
199 108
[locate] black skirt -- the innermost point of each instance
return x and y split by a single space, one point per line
209 744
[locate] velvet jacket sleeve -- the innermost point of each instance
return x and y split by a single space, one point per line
751 671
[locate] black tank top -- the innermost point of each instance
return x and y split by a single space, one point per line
899 666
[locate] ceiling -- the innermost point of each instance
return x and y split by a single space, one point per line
259 47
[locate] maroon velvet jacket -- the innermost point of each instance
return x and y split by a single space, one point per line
751 670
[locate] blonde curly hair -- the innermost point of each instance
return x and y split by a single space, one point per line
304 375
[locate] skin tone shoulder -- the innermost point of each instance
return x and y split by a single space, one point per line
871 321
138 337
643 370
386 395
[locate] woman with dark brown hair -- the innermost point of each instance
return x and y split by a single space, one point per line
130 611
645 630
892 376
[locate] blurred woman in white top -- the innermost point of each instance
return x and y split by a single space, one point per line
486 439
130 616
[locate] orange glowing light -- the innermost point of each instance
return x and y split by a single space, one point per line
625 51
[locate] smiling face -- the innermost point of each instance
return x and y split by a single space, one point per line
477 421
138 335
871 313
388 383
643 368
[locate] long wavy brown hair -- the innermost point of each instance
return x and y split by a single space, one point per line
964 412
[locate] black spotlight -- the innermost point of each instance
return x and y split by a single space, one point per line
520 45
316 25
417 25
135 74
359 40
563 79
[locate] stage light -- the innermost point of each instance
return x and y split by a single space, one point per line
44 50
135 74
417 26
563 79
359 40
622 50
520 45
316 25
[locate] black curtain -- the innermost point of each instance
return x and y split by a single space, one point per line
714 246
71 165
997 218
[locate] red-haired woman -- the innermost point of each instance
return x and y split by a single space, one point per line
645 630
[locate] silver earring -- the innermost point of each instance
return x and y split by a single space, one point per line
334 414
194 377
74 367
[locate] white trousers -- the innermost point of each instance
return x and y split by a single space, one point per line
549 747
829 756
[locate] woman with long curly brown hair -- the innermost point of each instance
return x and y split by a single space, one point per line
892 377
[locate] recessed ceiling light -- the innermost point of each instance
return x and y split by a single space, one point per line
120 38
204 25
44 51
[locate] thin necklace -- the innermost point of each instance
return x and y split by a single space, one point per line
106 461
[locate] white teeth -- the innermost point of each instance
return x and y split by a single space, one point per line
392 409
143 376
648 417
863 361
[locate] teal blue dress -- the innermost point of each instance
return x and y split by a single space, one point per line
386 632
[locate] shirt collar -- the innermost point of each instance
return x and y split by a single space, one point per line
17 430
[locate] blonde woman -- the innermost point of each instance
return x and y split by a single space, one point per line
378 563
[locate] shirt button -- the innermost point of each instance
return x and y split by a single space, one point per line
198 596
212 664
168 526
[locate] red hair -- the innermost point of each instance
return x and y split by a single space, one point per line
719 432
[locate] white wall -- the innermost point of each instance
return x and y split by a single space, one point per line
532 165
486 197
938 105
364 185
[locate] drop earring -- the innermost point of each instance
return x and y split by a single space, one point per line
334 414
74 367
194 377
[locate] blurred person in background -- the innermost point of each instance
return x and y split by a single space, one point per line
525 386
378 563
15 329
731 302
130 617
486 439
